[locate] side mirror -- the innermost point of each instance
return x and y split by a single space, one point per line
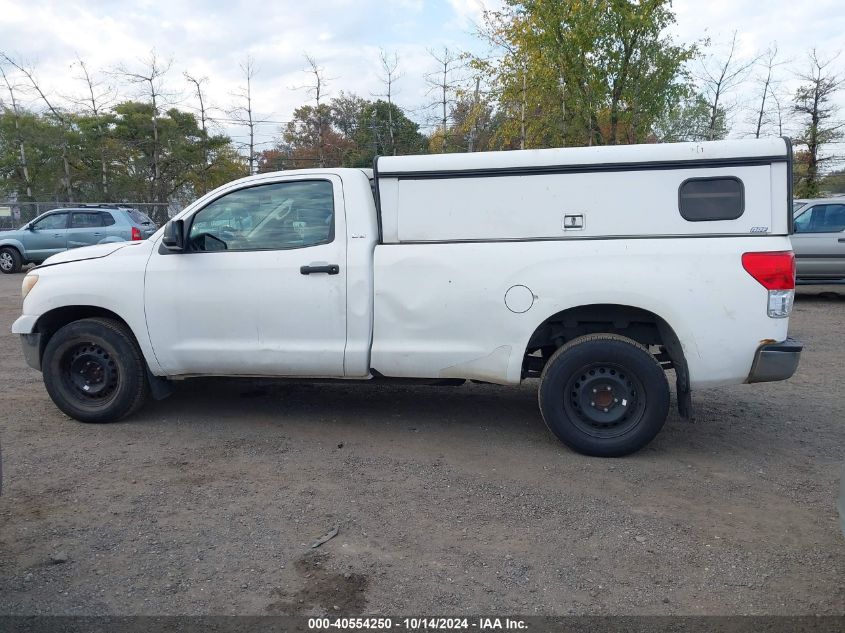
30 227
174 235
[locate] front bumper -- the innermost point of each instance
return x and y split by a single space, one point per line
775 361
31 344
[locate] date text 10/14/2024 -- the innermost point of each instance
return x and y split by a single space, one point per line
419 624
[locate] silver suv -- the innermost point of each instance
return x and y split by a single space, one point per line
63 229
819 240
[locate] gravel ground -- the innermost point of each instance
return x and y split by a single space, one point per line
446 500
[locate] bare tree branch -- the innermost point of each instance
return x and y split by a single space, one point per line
244 113
18 134
57 114
719 82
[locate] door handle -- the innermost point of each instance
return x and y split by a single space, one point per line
329 269
842 239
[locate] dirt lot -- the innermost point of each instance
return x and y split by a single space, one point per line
447 500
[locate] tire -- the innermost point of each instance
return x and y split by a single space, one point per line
10 260
604 395
94 371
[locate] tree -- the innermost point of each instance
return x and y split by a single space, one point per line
93 124
644 68
43 179
373 137
690 120
474 122
354 131
197 84
317 90
720 76
833 182
346 113
181 156
243 113
767 83
444 84
583 73
813 103
309 140
18 135
151 78
391 74
59 116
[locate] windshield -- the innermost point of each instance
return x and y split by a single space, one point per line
797 204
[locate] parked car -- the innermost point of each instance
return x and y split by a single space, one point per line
64 229
593 269
819 240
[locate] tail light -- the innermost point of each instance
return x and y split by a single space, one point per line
775 271
136 234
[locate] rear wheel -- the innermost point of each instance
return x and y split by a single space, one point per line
94 371
10 260
604 395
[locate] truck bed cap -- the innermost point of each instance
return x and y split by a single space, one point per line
724 152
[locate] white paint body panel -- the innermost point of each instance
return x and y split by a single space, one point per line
526 207
626 201
697 285
114 282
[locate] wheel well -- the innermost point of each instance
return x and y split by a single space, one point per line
50 322
640 325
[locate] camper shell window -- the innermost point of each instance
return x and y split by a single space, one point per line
703 199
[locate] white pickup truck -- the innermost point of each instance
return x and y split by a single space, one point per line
592 269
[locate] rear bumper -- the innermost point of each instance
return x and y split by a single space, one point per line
775 361
31 344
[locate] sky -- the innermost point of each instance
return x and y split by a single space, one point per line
212 39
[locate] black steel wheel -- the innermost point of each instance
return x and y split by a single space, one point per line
94 371
604 395
10 260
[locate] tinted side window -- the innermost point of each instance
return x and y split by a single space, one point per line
85 220
52 222
108 220
267 217
822 218
701 199
139 216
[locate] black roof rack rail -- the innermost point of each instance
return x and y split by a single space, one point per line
100 205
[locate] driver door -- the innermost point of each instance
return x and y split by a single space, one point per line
260 288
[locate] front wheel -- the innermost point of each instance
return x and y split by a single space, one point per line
94 371
10 260
604 395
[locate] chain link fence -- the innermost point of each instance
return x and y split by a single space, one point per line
15 214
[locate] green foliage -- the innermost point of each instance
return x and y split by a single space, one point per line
689 120
833 183
372 134
814 103
347 132
585 73
111 156
41 136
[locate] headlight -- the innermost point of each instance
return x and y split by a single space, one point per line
28 284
